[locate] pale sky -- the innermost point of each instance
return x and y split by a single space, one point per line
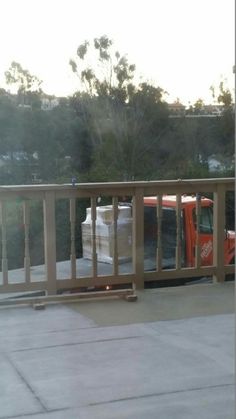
183 46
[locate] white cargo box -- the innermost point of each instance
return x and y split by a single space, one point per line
105 234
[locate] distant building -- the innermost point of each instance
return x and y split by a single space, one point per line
23 106
47 103
220 164
20 159
176 109
216 110
206 111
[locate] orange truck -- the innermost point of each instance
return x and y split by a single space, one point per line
188 225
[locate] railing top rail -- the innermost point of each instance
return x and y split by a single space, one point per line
117 185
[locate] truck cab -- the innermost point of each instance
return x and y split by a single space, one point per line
188 231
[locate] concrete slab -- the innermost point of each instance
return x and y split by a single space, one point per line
60 364
15 393
26 321
163 304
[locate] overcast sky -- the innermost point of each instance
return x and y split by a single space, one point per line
184 46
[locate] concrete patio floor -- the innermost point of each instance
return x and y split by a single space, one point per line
168 355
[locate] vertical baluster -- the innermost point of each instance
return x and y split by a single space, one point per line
115 237
50 241
219 233
93 232
198 246
72 238
178 231
4 244
138 238
159 232
26 216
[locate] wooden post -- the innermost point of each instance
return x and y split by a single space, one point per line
115 237
198 246
72 238
26 214
93 232
4 244
50 241
159 233
138 238
219 233
178 232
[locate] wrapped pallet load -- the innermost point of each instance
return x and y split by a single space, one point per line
105 234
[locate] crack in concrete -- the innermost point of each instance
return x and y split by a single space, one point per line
143 396
26 383
77 343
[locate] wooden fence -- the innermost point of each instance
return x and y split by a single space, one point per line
54 279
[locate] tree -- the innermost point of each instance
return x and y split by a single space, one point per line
2 91
198 106
28 85
222 94
8 125
224 97
111 74
124 121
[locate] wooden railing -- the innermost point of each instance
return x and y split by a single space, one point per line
53 275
